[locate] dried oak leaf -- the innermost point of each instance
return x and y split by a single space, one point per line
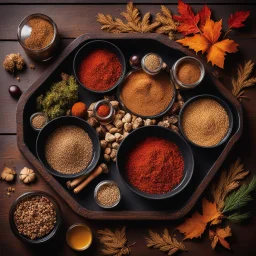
219 235
164 243
187 19
236 20
208 42
195 226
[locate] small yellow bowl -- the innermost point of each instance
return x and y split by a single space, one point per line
79 237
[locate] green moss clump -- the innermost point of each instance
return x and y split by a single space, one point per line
59 99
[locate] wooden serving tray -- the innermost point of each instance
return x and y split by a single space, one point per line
132 207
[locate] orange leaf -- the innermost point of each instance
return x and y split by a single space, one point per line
216 53
188 20
195 226
204 14
219 236
212 30
196 43
236 20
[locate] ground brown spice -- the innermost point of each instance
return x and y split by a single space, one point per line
188 72
205 122
39 121
41 35
147 95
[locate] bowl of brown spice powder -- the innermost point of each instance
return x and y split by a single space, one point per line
206 121
35 217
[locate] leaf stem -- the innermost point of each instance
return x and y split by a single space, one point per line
229 30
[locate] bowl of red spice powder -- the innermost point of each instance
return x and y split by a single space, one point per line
155 162
99 66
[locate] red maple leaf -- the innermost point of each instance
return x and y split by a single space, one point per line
204 15
236 20
187 19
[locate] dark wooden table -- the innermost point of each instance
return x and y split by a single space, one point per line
76 17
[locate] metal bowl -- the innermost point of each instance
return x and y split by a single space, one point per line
141 134
45 238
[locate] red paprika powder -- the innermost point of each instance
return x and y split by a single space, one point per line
100 70
103 110
155 166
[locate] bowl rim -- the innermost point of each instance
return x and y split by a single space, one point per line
118 94
180 187
222 103
48 19
121 78
58 217
86 170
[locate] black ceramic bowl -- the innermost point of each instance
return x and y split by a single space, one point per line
222 103
45 238
63 121
145 117
139 135
95 45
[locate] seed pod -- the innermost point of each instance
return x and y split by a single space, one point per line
115 145
137 123
107 151
115 104
113 153
118 123
92 121
127 118
113 130
106 157
119 137
121 112
101 131
110 137
128 127
103 144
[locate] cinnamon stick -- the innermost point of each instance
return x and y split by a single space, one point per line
97 171
72 184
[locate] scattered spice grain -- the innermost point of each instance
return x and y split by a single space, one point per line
152 62
41 35
108 194
205 122
147 95
39 121
69 149
35 217
188 72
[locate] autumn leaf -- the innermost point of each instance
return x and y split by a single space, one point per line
219 236
187 19
204 14
208 42
236 20
195 226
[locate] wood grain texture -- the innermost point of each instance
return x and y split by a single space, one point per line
84 17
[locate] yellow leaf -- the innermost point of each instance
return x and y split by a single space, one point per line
196 43
212 30
216 53
210 212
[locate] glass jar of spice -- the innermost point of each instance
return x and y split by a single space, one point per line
152 63
38 120
38 35
104 111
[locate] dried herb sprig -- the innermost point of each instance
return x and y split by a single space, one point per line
244 79
228 181
114 242
164 243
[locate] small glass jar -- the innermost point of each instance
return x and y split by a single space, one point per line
31 121
146 69
177 65
104 119
24 32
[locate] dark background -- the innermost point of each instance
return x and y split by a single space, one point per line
74 18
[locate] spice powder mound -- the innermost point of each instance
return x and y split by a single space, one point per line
147 95
69 150
205 122
155 166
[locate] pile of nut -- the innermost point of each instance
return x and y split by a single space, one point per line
112 134
35 217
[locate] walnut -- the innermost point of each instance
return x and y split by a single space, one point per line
27 175
12 61
8 174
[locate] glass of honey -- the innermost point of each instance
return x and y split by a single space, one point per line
79 237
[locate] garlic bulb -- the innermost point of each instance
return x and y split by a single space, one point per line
8 174
27 175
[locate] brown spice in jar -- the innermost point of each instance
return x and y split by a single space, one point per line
41 35
188 72
205 122
69 149
39 121
152 62
35 217
108 194
147 95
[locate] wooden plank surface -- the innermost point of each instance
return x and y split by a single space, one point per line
84 17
